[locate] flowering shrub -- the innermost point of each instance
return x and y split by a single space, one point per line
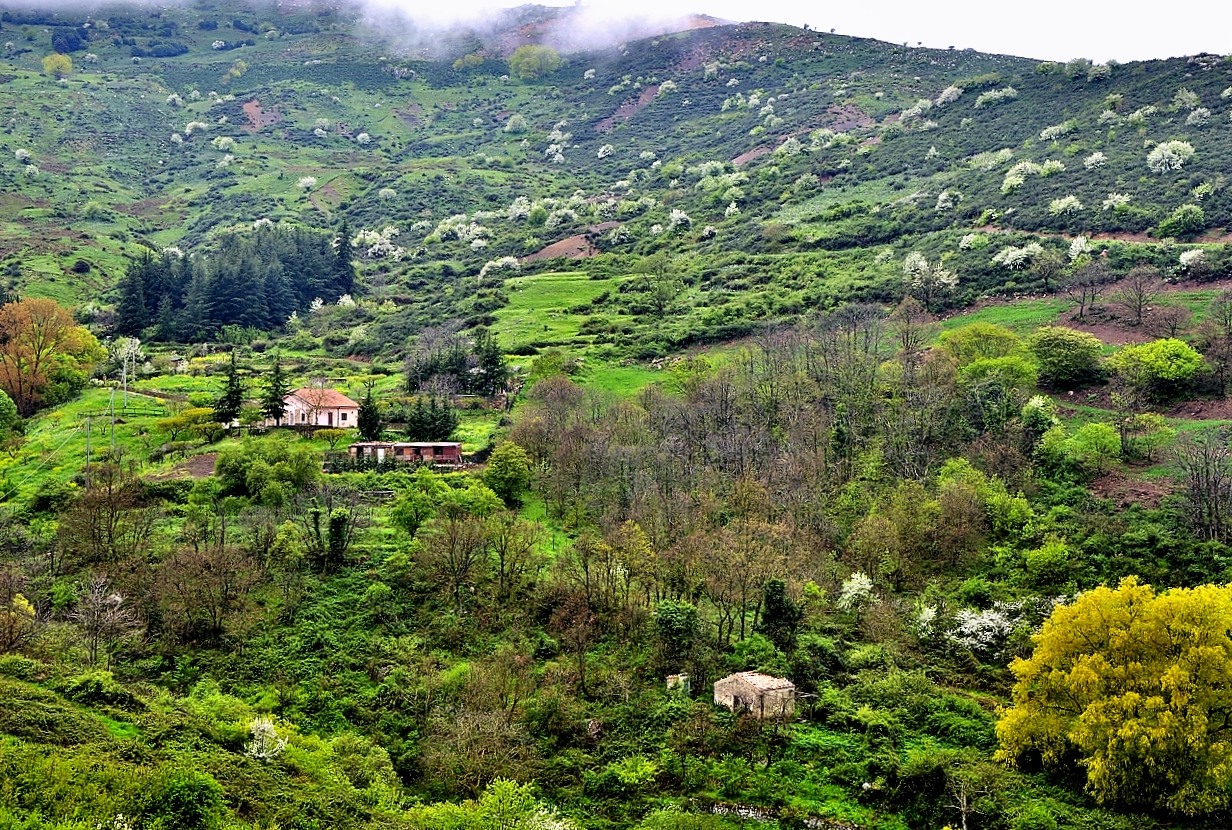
1193 260
1198 117
195 125
1168 156
1079 246
1095 160
265 743
386 193
1016 175
1185 99
605 151
363 138
224 143
949 95
1058 130
988 160
856 592
945 201
21 154
996 96
505 263
1116 200
1017 258
982 632
1139 116
306 182
732 210
1064 206
679 220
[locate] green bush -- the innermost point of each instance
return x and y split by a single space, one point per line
183 799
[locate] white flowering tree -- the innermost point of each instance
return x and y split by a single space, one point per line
1095 160
1169 156
1065 206
856 593
930 284
265 744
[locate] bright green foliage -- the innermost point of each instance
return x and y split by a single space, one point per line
58 65
1067 358
266 469
183 799
430 494
677 627
531 61
979 341
995 388
508 473
1160 370
505 804
1093 447
1138 685
1185 221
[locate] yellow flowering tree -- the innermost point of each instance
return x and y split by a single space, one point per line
1137 687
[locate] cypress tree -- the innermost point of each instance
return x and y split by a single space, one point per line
228 405
131 315
273 395
369 418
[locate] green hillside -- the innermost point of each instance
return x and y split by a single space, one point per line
900 374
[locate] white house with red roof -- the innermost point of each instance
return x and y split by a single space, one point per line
319 408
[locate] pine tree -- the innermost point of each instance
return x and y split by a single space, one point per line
493 369
273 396
228 405
131 316
343 276
369 418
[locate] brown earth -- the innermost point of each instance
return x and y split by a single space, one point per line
258 118
1126 491
199 466
745 158
628 109
580 246
411 115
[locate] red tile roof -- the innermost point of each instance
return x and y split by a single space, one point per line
323 398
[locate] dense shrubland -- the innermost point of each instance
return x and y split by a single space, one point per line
909 518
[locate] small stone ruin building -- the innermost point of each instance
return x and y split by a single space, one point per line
760 695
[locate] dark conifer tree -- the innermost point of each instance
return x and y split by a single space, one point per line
131 313
274 393
228 405
369 418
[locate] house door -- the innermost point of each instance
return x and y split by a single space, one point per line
331 419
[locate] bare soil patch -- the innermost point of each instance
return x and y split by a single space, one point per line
745 158
259 119
628 109
199 466
580 246
1124 490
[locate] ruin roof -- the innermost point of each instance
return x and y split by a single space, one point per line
762 682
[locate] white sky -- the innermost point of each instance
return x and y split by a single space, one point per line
1043 29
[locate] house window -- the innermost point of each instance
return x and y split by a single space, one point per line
302 416
344 417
